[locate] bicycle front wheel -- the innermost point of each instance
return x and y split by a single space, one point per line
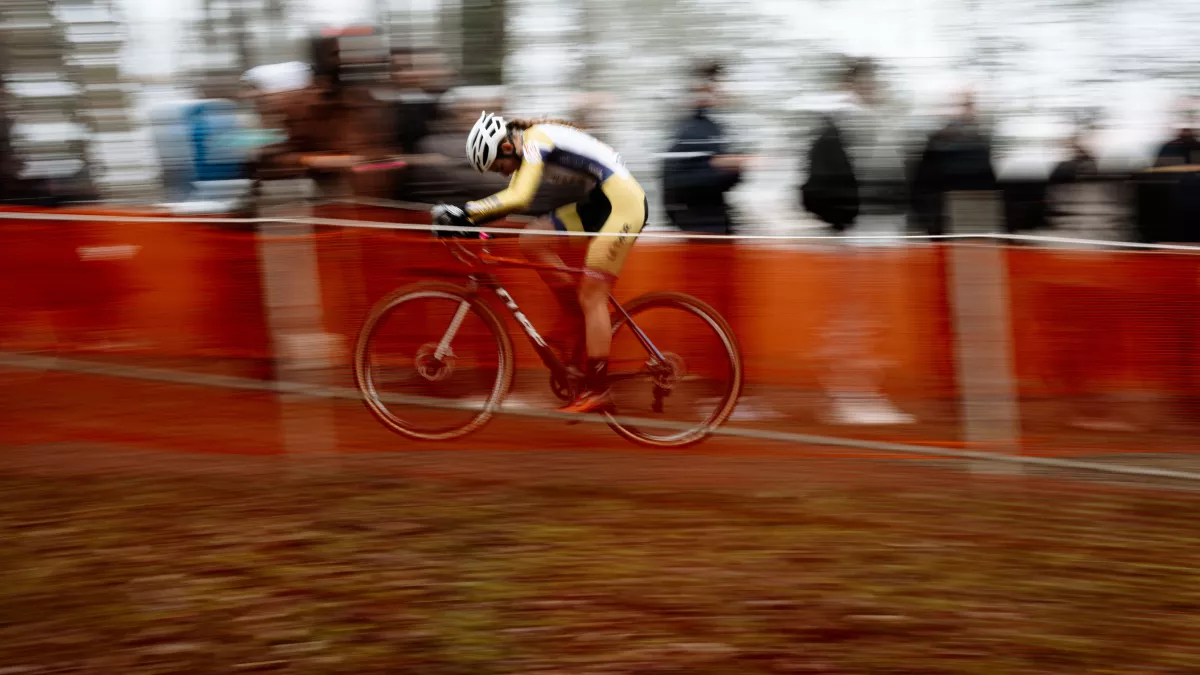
433 362
676 365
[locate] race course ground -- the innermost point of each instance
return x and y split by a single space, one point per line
163 528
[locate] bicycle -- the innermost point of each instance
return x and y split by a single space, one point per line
448 359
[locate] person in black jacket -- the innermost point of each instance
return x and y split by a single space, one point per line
10 164
854 168
700 168
831 191
957 158
421 77
1182 153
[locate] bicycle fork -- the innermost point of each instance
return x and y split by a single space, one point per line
443 347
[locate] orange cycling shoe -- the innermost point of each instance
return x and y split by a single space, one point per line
588 401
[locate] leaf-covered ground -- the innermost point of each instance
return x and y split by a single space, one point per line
354 572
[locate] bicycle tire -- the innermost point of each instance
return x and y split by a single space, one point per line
726 405
423 290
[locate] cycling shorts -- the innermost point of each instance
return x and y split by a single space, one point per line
617 209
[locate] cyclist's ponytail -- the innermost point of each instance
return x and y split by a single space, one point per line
523 124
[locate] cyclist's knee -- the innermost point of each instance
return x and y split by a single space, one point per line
593 291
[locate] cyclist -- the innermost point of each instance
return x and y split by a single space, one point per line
616 208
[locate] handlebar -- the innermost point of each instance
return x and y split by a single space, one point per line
451 233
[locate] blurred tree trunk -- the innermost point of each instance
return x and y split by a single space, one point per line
209 24
483 41
383 14
589 68
276 47
450 37
238 18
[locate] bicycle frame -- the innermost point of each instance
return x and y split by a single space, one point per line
547 355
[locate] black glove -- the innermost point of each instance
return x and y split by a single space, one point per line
448 218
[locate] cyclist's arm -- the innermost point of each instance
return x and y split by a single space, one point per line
523 186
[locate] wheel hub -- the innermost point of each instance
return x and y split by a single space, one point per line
668 372
430 367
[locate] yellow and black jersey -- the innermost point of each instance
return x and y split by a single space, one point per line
552 152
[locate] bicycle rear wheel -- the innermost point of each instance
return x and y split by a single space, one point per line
691 390
433 362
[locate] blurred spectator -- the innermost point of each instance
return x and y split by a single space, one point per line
1184 149
831 190
855 164
699 168
957 158
271 86
1169 196
10 164
204 159
421 77
419 81
1079 166
273 90
445 175
335 123
856 177
1081 201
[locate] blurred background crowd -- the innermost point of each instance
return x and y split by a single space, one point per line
739 117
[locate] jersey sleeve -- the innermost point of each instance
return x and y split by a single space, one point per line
524 184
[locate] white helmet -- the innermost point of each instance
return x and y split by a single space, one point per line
483 143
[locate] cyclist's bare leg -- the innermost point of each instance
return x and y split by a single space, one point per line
593 297
541 248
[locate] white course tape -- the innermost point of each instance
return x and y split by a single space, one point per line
673 235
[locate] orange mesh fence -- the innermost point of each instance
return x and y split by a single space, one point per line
1102 343
1105 346
184 292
